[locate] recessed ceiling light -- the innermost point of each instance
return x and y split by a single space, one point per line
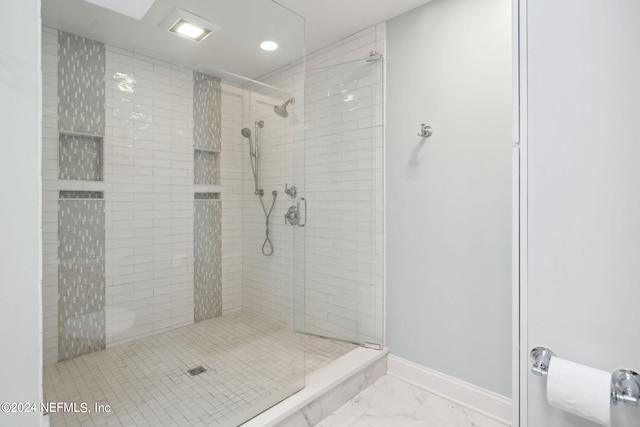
188 25
268 45
189 30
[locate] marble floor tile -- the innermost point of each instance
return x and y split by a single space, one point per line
391 402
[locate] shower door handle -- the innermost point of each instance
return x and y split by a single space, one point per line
302 199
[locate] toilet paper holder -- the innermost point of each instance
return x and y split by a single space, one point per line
625 387
540 357
625 383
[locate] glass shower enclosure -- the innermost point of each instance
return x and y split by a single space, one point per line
160 304
210 236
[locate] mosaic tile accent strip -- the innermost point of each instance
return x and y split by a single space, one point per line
249 361
208 259
80 157
65 194
207 196
205 167
207 112
81 273
81 85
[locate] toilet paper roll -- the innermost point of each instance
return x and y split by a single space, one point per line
580 390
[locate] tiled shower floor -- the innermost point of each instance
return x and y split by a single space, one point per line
249 361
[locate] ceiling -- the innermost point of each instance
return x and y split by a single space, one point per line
244 24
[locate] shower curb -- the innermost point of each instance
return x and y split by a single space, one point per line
327 390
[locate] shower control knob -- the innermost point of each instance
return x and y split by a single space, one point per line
292 216
291 191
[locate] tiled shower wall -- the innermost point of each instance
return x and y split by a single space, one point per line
148 195
268 282
149 166
342 164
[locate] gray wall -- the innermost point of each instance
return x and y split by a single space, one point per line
20 318
448 197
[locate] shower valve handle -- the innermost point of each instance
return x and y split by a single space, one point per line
291 191
292 216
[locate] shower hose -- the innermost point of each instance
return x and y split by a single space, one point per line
267 246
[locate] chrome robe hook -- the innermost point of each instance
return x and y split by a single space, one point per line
425 131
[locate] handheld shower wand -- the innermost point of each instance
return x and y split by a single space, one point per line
253 153
267 246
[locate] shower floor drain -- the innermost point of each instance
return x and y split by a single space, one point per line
196 371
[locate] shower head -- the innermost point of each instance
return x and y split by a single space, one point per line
281 110
246 132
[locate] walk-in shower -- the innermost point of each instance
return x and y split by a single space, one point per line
156 297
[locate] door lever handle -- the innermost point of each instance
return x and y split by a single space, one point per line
302 199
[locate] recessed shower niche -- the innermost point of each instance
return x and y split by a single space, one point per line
205 167
80 157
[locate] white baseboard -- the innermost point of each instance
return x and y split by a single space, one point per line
473 397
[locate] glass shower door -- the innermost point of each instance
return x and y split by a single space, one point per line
344 183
